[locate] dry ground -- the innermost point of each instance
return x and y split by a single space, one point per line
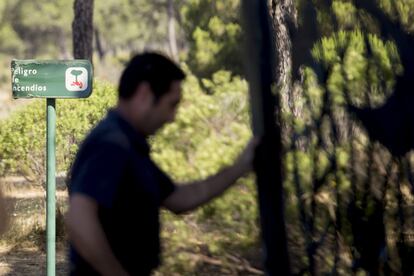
22 248
29 261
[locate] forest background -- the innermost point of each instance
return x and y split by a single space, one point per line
213 124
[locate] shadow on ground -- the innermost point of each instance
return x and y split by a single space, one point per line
30 261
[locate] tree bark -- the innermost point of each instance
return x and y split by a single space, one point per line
98 43
289 79
172 40
3 215
283 13
82 28
266 117
64 53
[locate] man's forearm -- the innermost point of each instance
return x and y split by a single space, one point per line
192 195
88 238
216 184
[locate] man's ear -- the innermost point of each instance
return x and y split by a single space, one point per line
143 94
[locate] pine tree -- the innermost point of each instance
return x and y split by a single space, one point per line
82 29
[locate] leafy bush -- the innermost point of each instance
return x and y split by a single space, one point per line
209 132
213 32
23 134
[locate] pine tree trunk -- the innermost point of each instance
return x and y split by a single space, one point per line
82 28
3 214
283 13
99 46
266 117
172 40
64 53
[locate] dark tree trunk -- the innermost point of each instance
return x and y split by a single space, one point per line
3 215
98 43
82 28
62 45
266 117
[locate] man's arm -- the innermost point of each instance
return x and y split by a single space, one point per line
87 236
190 196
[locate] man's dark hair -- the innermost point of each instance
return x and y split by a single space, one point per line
153 68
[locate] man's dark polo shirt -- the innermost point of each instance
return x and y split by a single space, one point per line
114 168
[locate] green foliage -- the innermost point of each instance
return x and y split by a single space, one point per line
130 25
22 138
214 36
345 13
10 42
212 123
38 35
330 158
366 79
344 56
209 132
43 29
208 29
401 10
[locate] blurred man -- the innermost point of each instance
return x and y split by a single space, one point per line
116 190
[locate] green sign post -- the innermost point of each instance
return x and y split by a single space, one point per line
51 79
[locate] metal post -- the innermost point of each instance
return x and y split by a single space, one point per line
51 187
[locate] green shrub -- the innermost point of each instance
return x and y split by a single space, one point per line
23 134
209 132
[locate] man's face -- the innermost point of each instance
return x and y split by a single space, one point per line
164 110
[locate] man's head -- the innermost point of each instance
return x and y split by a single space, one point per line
149 91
